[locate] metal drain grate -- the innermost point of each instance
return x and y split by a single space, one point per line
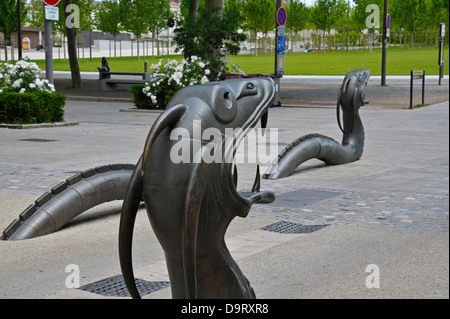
115 286
292 228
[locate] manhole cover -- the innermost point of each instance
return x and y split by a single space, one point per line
292 228
302 197
115 286
40 140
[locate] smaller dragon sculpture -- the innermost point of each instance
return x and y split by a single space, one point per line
350 98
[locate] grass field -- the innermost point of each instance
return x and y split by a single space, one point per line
399 62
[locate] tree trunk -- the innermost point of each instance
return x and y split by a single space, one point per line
6 48
215 4
193 9
72 48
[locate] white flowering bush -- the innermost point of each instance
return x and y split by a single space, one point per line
23 77
25 98
171 76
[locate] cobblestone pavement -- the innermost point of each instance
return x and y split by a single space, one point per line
424 212
420 211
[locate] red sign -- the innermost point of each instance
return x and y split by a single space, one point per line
51 2
388 21
281 16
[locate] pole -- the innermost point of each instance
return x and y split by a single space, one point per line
19 30
411 90
48 49
383 58
278 6
348 13
423 88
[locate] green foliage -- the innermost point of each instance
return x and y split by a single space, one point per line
31 107
140 99
8 16
260 15
170 77
109 17
298 14
209 37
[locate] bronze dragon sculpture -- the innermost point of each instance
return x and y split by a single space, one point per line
190 204
350 98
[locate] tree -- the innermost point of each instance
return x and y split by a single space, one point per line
158 18
8 20
324 15
36 14
407 12
136 17
210 36
298 14
259 16
72 46
109 19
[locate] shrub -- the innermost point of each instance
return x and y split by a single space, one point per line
169 78
141 100
25 98
31 107
23 77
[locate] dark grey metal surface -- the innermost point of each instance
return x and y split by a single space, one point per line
190 205
284 227
351 97
115 287
62 203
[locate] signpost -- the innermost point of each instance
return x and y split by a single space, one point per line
386 27
50 13
281 17
441 51
417 75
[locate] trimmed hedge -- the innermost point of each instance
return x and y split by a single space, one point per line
31 108
140 99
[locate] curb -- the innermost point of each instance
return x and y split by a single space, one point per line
98 99
136 110
40 125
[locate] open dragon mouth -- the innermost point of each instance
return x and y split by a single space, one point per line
260 114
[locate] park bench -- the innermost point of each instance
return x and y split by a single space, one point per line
109 83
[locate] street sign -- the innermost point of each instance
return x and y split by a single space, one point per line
281 29
281 16
281 44
388 21
51 13
280 63
51 2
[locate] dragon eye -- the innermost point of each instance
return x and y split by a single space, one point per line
224 105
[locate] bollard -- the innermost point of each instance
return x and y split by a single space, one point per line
415 75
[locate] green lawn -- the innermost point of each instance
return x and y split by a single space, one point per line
399 62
